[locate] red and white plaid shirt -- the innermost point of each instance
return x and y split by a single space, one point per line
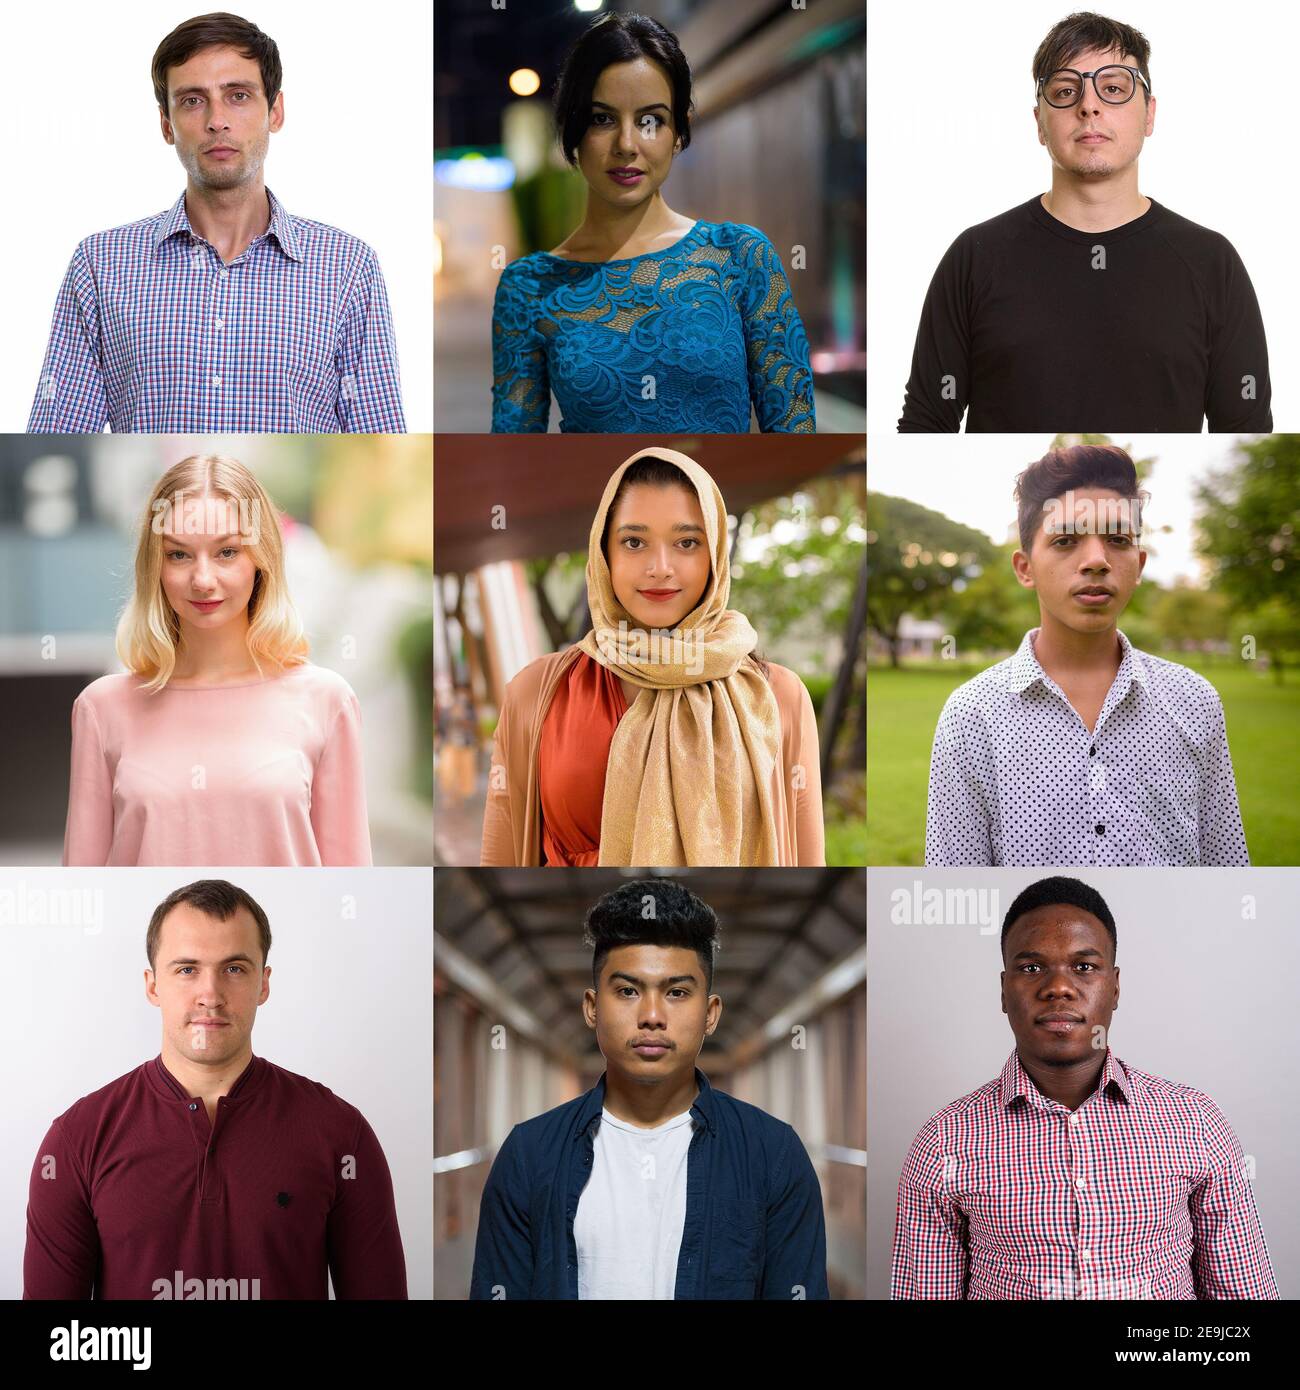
1139 1193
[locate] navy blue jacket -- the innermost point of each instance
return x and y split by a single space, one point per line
754 1225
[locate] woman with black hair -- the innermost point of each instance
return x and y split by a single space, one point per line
643 320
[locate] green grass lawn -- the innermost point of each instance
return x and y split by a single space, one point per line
1263 733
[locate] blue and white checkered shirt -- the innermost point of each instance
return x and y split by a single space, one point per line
1017 778
153 332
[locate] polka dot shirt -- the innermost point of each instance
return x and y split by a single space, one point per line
1016 778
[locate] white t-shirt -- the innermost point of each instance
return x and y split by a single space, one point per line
628 1226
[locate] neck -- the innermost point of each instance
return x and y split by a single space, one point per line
1061 650
610 228
1069 1085
214 655
1095 205
202 1081
648 1106
229 218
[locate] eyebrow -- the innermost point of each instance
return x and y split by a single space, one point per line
654 105
680 526
667 980
176 540
189 960
1037 955
224 86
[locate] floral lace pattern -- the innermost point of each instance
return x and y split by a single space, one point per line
675 341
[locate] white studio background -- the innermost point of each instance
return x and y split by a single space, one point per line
951 143
1206 999
80 128
351 1006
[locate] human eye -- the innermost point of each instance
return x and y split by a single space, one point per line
1028 966
229 550
629 541
240 968
598 116
1087 965
628 988
1063 541
175 554
242 94
692 541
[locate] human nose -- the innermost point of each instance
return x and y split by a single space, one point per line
202 578
652 1010
1089 98
217 118
659 559
209 988
1056 984
1092 553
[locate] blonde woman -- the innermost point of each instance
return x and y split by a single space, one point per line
660 739
222 743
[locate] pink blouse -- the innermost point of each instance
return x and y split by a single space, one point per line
266 773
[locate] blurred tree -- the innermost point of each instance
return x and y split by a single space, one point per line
1249 513
914 557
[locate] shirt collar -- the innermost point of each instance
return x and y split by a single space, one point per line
281 226
1016 1082
593 1102
245 1083
1025 670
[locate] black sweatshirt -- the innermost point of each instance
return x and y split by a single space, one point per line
1023 324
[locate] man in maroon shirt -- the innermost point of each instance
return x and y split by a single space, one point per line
208 1172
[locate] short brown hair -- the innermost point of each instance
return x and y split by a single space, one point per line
1078 33
219 30
1060 470
215 897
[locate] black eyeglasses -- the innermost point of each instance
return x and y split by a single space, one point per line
1114 85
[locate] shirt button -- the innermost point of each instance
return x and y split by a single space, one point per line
1074 1119
1099 828
194 1105
1080 1184
1092 752
221 323
216 381
1085 1254
224 272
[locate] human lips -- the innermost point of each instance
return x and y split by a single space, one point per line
650 1048
1094 595
1059 1022
209 1023
1091 137
659 595
206 605
220 151
626 174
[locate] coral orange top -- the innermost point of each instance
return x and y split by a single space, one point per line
572 758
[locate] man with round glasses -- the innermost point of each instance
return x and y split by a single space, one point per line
1091 308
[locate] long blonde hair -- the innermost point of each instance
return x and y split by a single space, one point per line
148 632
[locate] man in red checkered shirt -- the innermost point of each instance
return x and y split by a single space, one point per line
1073 1175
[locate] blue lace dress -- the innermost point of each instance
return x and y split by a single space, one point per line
673 342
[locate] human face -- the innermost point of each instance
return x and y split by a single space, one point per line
652 1012
1093 140
631 129
1085 559
218 119
1060 985
208 980
658 554
208 567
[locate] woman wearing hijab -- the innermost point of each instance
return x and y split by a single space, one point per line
660 739
644 320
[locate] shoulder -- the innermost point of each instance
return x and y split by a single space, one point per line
523 690
1193 692
1009 226
543 1132
972 698
128 238
739 237
319 680
306 1096
788 687
527 272
756 1125
87 1114
931 1138
1191 237
108 692
320 239
1177 1100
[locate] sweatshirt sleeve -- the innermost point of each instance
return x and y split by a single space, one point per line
62 1254
338 792
363 1239
1239 396
88 831
938 389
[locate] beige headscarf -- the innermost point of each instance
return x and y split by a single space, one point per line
689 779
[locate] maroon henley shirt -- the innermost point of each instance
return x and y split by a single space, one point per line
134 1194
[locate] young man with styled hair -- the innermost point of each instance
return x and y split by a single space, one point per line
132 1196
226 313
1092 307
1074 1175
1081 749
654 1184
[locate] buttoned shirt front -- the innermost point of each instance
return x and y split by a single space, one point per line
1017 778
153 331
1140 1193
